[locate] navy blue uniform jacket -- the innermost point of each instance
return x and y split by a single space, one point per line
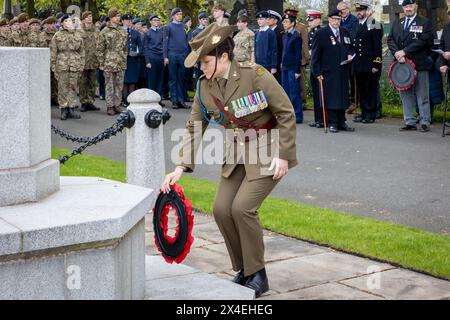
266 53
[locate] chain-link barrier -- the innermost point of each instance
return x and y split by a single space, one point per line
124 120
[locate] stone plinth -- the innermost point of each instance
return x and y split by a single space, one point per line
25 146
145 146
84 242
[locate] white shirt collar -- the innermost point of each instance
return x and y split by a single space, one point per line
411 18
333 29
154 28
274 27
364 21
264 28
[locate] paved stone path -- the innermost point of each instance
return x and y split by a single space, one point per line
296 270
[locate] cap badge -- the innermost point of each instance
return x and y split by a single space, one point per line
216 39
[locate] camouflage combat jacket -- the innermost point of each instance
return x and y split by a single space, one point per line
112 49
46 38
90 39
34 40
5 40
67 51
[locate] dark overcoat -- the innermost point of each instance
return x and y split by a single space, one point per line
327 55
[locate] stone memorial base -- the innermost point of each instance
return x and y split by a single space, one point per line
84 242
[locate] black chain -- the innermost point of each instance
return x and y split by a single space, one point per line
117 127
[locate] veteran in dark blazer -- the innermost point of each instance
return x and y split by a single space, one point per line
248 101
331 48
411 37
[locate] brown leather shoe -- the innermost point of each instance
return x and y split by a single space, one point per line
118 109
351 108
110 111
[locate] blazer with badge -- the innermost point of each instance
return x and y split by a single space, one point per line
416 41
367 44
244 79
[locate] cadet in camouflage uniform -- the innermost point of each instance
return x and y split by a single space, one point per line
34 36
24 29
46 38
112 53
4 34
14 34
88 79
67 55
244 40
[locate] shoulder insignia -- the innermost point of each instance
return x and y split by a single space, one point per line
259 71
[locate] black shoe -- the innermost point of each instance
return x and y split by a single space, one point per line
333 129
84 107
92 107
73 114
182 105
313 124
366 121
408 128
258 282
175 105
346 128
319 125
240 279
358 119
64 113
424 128
298 121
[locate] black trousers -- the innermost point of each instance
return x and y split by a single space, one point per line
336 118
366 85
318 110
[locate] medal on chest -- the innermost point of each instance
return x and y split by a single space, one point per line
333 41
250 104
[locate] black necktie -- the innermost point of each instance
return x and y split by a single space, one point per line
406 24
338 36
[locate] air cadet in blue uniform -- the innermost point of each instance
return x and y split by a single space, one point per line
153 52
135 49
314 21
367 62
331 47
175 49
292 62
274 20
266 53
203 22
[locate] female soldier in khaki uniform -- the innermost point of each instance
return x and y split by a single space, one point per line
246 99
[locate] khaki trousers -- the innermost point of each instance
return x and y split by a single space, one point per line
236 213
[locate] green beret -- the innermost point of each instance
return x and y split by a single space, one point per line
112 13
50 20
13 20
207 41
33 20
23 17
3 22
86 14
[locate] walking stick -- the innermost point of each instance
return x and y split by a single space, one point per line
322 102
445 103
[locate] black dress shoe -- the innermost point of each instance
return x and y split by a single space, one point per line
366 121
319 125
408 128
333 129
258 282
182 105
313 124
346 128
84 107
240 279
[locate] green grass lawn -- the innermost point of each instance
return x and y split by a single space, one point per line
403 246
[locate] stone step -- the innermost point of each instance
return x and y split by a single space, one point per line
165 281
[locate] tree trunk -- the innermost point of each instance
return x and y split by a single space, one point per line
31 9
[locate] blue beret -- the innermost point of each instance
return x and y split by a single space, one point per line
262 14
175 11
137 20
126 16
202 15
153 16
334 13
59 15
187 19
406 2
64 17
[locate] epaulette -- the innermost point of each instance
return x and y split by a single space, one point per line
373 24
247 64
